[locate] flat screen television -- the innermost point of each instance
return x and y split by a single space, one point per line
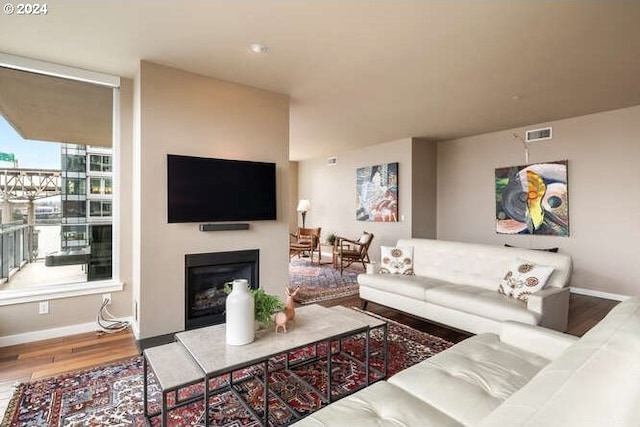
203 189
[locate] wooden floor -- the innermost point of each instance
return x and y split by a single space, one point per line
26 362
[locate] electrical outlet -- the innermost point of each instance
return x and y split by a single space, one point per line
106 297
44 307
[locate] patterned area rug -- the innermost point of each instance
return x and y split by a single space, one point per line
112 395
322 282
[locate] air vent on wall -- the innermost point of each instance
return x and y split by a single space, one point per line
332 161
541 134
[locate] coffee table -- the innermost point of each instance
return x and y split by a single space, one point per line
313 325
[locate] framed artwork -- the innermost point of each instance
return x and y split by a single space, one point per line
533 199
377 193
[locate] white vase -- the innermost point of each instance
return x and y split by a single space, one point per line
240 315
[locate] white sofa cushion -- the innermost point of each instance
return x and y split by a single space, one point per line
406 285
472 378
595 382
482 302
479 264
381 404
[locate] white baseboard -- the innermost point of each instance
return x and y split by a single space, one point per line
46 334
599 294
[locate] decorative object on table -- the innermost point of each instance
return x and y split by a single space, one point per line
265 305
371 268
289 314
331 238
533 199
347 251
111 393
377 193
396 260
304 206
240 314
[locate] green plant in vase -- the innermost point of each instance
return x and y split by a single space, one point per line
331 238
265 305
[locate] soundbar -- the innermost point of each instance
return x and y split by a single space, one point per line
224 227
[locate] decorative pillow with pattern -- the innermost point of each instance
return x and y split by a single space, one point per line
523 279
396 260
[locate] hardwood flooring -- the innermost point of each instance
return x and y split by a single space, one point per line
41 359
32 361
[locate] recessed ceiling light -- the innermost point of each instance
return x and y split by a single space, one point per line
258 48
515 97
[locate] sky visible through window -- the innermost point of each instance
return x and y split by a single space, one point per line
29 154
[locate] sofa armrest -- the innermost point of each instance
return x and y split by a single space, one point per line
552 304
535 339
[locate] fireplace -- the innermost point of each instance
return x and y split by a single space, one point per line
205 276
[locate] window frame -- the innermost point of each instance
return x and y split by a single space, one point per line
20 296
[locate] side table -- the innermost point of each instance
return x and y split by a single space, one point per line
330 250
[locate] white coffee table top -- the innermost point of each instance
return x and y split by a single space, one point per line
313 323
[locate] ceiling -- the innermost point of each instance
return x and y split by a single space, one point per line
362 72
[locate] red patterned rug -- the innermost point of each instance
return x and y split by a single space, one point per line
112 395
322 282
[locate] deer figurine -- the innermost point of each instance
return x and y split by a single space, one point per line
289 314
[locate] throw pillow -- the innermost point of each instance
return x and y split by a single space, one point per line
523 279
396 260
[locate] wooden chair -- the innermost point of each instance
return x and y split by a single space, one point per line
347 251
305 240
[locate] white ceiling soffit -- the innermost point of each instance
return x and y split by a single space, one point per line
46 108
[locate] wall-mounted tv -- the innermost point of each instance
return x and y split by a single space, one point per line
204 189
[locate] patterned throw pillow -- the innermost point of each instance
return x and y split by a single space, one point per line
523 279
397 260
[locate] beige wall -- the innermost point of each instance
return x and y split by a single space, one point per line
189 114
332 192
603 154
23 318
294 216
424 188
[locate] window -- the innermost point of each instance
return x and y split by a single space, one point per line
74 163
99 208
75 186
74 235
100 186
74 209
51 106
98 163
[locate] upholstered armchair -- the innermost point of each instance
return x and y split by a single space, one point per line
347 251
305 240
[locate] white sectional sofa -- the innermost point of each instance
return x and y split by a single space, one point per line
456 284
524 376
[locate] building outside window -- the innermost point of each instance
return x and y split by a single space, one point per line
75 186
99 208
99 163
100 186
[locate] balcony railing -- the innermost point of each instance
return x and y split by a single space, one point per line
17 245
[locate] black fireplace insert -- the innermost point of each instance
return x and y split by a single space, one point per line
205 276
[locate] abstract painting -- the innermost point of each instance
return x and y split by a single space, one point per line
533 199
377 193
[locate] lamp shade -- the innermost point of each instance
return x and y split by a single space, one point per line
303 205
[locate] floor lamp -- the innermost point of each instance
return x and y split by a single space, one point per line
303 207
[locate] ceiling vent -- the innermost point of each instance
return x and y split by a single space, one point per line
541 134
332 161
